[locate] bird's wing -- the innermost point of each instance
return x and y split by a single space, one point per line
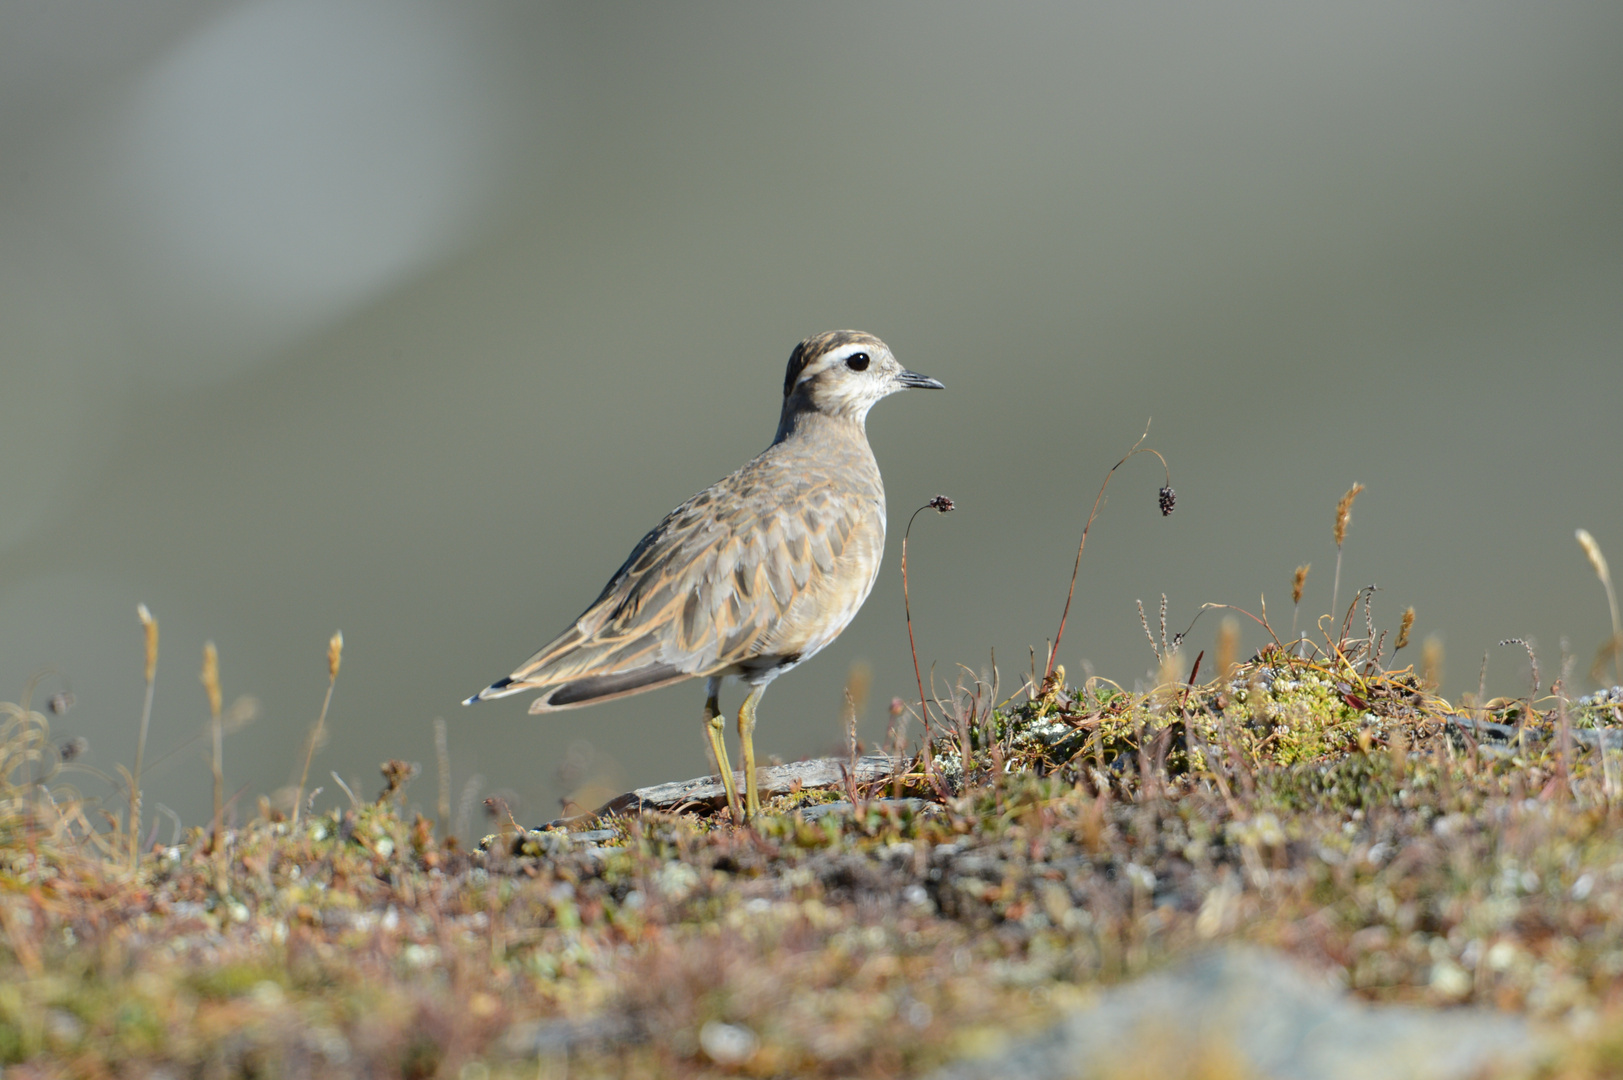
705 589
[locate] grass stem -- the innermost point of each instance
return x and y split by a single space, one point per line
1615 645
149 626
318 732
210 678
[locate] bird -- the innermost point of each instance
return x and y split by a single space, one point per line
752 576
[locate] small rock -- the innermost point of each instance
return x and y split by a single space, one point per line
727 1044
420 956
1267 1018
267 995
1450 980
677 880
63 1027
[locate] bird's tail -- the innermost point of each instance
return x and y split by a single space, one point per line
584 689
499 688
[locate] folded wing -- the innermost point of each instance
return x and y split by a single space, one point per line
708 588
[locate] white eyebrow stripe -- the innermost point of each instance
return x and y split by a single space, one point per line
829 359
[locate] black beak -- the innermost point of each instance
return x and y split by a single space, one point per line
914 381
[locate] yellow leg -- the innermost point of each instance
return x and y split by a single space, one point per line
746 744
713 725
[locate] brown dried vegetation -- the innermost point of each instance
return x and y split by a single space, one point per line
1307 798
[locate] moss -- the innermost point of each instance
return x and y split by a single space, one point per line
231 980
1086 835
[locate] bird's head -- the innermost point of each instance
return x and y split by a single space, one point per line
842 373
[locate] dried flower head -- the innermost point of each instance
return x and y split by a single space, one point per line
1344 512
1431 662
1168 500
210 677
150 625
1299 582
1614 644
396 775
335 654
1404 627
1053 683
942 504
61 702
1592 550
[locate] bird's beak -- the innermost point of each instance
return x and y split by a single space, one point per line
914 381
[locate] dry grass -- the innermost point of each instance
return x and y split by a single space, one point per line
1090 834
1308 798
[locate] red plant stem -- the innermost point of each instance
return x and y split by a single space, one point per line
1053 650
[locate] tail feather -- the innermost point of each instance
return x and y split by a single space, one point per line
584 690
594 688
499 688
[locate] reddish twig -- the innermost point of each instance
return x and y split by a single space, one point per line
1166 497
941 505
1262 622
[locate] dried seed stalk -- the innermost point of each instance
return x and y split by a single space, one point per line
210 678
318 732
1615 645
1403 629
149 627
1343 518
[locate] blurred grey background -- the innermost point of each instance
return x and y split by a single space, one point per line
410 319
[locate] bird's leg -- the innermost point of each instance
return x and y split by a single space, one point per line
746 744
713 725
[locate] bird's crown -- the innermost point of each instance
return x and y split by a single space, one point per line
817 351
842 373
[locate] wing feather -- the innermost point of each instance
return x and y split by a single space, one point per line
706 589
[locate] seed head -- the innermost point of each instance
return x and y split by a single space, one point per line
1054 684
1431 662
1299 582
1592 549
210 676
1344 512
942 504
1169 500
335 654
150 625
1404 627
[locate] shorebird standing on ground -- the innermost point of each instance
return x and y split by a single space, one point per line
752 575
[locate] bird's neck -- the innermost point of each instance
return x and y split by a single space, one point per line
800 420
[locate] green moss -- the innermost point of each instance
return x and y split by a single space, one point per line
231 980
1085 836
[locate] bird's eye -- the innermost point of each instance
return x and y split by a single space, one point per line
857 361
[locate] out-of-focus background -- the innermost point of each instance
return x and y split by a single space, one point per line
410 319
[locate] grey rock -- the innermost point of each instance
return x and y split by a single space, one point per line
818 811
706 792
1254 1013
549 1038
1587 738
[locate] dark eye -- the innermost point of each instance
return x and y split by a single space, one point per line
857 361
